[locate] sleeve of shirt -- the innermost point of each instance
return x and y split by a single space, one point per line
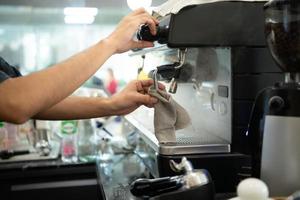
3 76
7 71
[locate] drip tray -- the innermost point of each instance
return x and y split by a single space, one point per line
192 145
183 149
188 141
186 145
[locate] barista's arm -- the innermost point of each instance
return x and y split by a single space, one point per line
77 108
22 98
130 98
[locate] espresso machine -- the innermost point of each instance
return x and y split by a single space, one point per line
275 122
214 59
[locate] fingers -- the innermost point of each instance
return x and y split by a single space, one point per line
161 86
151 21
143 85
143 17
148 83
122 38
149 106
141 44
139 87
146 99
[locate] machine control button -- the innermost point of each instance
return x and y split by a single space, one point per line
223 108
223 91
276 102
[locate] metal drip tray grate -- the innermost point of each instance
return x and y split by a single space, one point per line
200 140
188 141
191 147
194 143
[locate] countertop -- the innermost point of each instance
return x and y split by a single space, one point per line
114 175
124 170
117 176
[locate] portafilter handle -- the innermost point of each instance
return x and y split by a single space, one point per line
153 187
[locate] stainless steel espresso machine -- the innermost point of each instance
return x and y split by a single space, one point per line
224 62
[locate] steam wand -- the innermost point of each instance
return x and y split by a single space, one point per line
192 178
181 57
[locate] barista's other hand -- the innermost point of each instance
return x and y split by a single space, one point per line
132 96
122 38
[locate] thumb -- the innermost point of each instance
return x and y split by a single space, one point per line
141 44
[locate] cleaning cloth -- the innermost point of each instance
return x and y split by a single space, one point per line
168 116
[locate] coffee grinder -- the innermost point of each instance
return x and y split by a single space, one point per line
274 128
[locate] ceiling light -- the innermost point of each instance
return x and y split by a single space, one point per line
135 4
73 19
80 15
81 11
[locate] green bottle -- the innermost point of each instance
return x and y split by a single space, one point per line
69 149
3 136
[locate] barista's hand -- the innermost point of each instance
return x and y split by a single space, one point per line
132 96
122 38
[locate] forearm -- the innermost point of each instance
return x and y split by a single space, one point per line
122 103
78 108
24 97
30 94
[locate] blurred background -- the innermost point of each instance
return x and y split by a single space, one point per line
35 34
